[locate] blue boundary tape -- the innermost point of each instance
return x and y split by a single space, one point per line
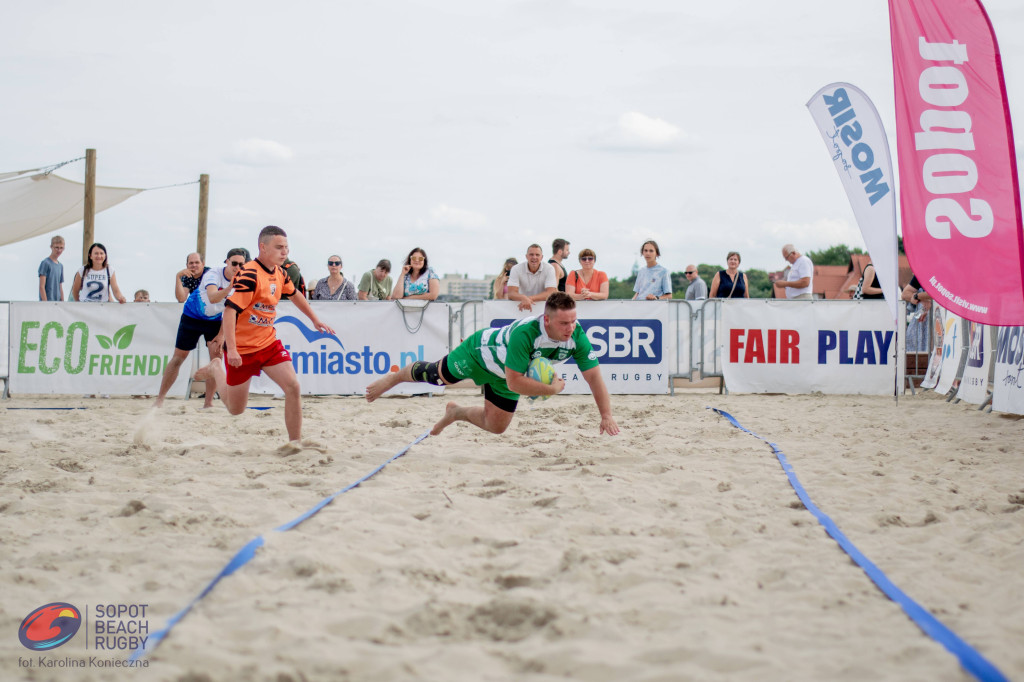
970 659
269 407
247 552
46 408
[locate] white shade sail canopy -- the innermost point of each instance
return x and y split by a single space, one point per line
36 202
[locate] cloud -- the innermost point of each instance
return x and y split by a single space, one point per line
256 152
444 217
636 132
813 236
237 212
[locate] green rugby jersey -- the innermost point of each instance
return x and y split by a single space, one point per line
514 345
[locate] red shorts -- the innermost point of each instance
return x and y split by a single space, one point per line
253 363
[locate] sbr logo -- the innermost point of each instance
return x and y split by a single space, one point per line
49 626
622 342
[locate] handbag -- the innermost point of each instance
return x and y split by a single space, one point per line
858 293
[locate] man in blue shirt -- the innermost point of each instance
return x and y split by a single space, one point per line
201 316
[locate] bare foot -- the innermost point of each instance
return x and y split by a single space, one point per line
451 415
382 386
294 447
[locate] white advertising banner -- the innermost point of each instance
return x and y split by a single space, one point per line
370 339
92 348
634 341
835 347
974 383
935 359
952 350
5 319
1008 391
855 138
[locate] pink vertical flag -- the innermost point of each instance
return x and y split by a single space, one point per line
959 198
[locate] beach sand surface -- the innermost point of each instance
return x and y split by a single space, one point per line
675 551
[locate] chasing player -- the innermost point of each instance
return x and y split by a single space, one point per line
201 316
498 359
250 342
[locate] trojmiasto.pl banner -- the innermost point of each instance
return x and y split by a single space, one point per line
1008 391
93 348
959 194
634 342
855 138
834 347
371 339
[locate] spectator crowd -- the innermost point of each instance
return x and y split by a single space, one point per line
527 281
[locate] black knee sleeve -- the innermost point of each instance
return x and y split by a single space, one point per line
427 373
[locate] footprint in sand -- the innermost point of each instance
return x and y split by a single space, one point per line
296 446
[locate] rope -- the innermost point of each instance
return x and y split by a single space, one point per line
49 169
180 184
970 659
405 319
247 552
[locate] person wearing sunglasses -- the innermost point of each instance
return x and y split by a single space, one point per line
698 288
418 280
201 316
334 287
587 283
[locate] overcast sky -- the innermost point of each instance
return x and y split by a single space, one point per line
468 128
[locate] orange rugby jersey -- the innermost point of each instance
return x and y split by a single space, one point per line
257 293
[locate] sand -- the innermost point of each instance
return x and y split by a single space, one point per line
674 551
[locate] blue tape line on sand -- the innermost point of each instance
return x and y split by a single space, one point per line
246 554
46 408
970 659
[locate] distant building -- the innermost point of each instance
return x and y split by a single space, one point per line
456 287
838 281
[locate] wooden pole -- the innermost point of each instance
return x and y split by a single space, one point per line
89 216
204 206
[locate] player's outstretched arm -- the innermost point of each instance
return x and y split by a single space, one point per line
518 382
603 400
303 305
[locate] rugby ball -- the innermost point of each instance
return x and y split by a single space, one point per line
541 370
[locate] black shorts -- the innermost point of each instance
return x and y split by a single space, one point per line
499 401
492 396
191 328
